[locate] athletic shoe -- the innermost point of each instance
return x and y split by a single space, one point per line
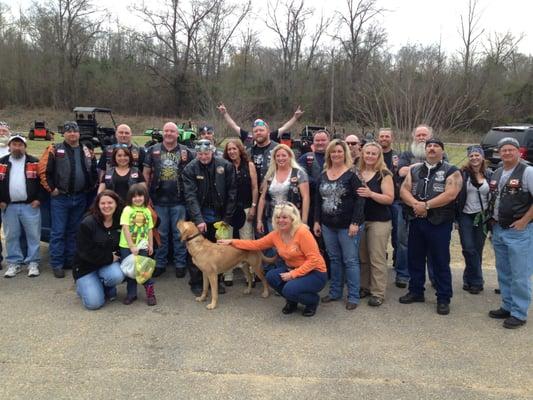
12 270
33 270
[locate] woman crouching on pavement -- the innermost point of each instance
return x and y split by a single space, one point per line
96 263
303 274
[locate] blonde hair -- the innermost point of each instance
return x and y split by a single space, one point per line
272 168
348 161
380 166
287 208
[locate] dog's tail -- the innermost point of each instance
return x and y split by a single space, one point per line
268 260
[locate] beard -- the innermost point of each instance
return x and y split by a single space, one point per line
419 150
16 154
3 140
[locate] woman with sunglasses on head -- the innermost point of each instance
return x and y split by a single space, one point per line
339 218
302 274
285 180
121 175
472 204
247 194
378 190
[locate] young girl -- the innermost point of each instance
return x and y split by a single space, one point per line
137 237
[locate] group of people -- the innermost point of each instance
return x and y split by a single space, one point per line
332 211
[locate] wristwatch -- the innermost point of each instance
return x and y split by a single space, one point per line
427 205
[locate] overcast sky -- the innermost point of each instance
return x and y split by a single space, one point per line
406 21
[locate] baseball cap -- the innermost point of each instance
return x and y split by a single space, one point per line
508 140
17 137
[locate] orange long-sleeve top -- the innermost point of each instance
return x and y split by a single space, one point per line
301 255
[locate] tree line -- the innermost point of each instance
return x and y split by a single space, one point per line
184 57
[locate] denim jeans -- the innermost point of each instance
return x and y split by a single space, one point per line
18 219
343 252
168 218
131 284
427 240
66 212
92 288
303 290
472 242
402 232
514 264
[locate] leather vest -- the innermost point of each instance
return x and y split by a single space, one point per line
133 177
63 178
514 200
427 185
185 157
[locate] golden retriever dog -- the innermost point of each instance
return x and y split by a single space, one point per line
213 259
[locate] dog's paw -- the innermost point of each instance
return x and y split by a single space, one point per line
211 306
247 291
201 298
265 294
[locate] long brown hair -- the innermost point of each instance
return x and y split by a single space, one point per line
467 168
126 152
242 152
95 208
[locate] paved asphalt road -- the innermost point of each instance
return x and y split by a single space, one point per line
51 348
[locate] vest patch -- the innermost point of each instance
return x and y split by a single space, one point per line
220 170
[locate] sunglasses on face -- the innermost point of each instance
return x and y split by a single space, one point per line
352 143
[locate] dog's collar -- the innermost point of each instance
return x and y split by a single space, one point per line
193 236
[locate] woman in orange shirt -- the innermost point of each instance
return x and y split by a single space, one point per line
303 275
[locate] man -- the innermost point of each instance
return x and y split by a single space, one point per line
68 171
385 140
511 205
163 170
354 144
4 149
210 192
416 154
20 193
207 132
429 190
124 139
247 138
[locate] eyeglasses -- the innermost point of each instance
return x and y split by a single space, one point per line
352 143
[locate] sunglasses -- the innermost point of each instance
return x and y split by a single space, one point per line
352 143
259 122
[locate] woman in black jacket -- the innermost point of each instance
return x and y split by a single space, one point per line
96 263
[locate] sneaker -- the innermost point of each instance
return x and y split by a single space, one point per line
59 273
411 298
375 301
33 270
500 313
513 323
128 300
150 295
12 270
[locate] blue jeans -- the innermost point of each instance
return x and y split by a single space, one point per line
19 219
66 213
303 290
168 218
131 284
472 242
92 288
514 263
427 240
343 252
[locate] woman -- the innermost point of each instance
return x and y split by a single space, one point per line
378 190
121 175
472 205
339 219
303 274
247 194
285 181
96 263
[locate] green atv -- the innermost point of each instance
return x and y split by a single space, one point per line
186 135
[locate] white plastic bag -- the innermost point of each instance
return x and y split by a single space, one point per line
128 266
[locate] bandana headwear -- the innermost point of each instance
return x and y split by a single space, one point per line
435 141
3 124
70 126
260 122
475 149
203 146
205 129
508 140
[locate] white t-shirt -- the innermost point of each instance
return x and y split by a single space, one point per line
472 205
17 179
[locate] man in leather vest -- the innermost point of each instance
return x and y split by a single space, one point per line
124 138
429 190
68 171
511 205
210 193
163 168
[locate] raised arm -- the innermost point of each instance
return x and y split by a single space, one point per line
231 123
288 125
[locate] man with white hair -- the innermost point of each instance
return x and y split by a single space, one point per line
163 169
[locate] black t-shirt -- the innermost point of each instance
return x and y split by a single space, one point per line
121 184
375 211
258 153
387 157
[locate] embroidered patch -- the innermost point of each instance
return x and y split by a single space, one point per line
184 155
514 183
294 179
220 170
199 177
439 176
60 153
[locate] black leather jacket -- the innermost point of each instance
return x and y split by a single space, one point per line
197 185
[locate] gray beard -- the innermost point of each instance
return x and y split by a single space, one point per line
3 141
419 150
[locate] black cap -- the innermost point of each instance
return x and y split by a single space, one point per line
435 141
71 126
